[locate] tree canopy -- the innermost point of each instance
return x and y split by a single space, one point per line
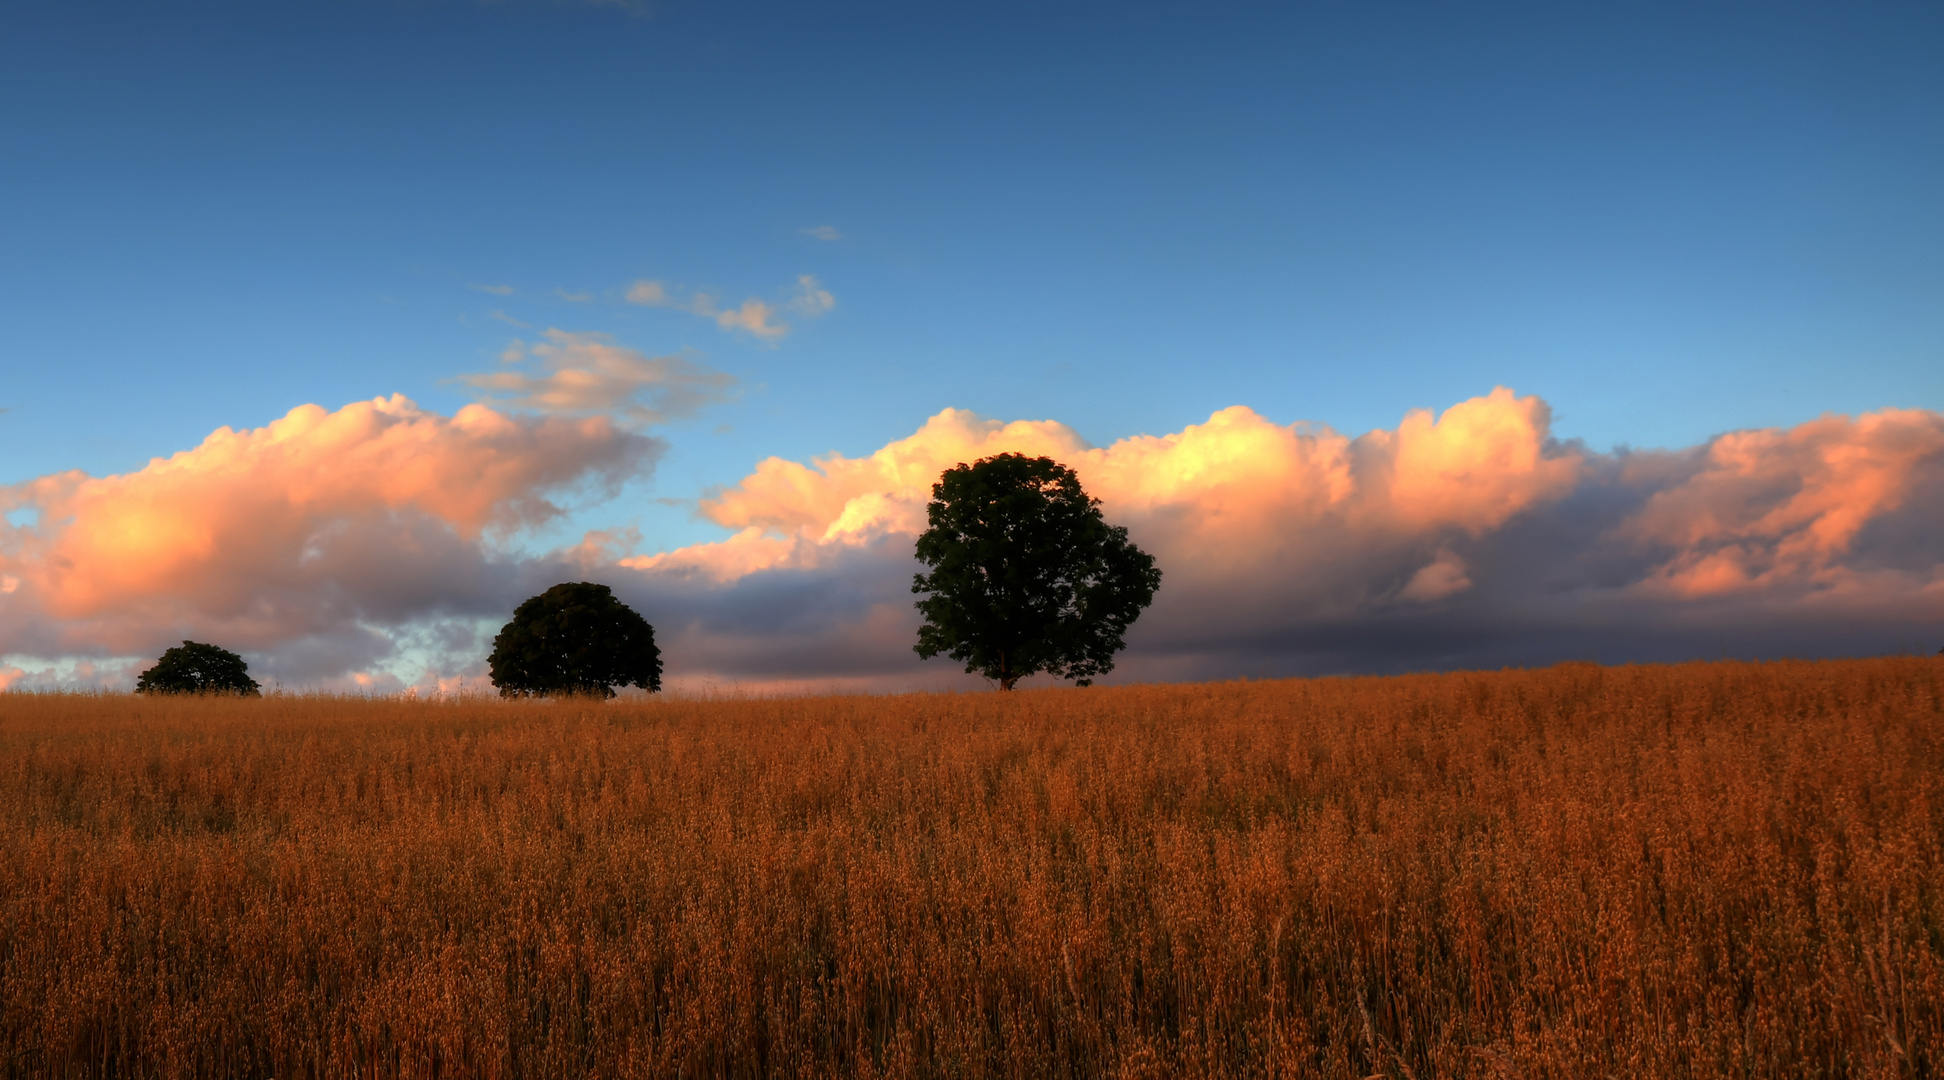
195 668
1026 576
575 638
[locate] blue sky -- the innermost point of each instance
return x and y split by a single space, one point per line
1667 220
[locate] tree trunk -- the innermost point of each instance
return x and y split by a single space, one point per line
1006 677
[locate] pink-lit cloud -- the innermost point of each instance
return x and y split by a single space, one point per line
589 374
309 535
1213 499
1470 536
1776 509
1467 537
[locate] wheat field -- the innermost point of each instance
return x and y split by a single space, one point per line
1700 870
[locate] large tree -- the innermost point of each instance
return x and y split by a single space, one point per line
575 638
195 668
1026 576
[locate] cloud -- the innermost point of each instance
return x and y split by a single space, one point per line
509 320
314 538
574 297
495 290
81 674
651 294
1437 579
1467 538
824 232
811 300
755 317
1231 485
329 544
1773 509
588 374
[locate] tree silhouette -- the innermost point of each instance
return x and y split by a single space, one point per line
575 638
1026 575
195 668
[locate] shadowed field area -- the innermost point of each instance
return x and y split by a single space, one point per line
1701 870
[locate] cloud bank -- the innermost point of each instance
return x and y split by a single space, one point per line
324 538
332 540
1471 538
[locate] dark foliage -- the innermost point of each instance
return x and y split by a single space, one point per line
195 668
1026 575
575 638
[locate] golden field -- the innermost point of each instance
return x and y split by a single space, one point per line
1701 870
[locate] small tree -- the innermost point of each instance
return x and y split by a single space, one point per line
195 668
1026 575
575 638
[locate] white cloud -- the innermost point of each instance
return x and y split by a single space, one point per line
811 300
496 290
824 232
754 316
588 374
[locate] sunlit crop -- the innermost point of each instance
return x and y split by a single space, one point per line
1704 870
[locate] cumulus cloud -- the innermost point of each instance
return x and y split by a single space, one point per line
312 536
1227 491
1775 509
329 541
1467 537
755 317
588 374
